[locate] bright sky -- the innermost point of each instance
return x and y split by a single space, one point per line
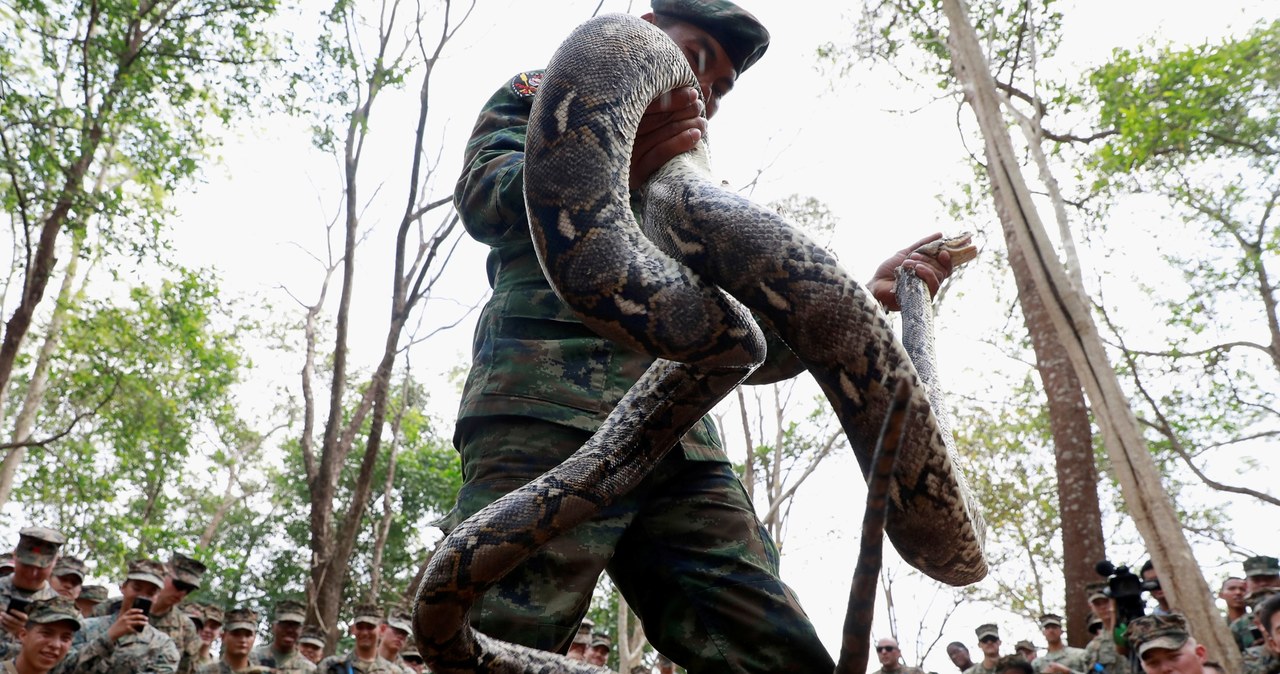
876 151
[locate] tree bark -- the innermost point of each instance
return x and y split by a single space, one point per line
1133 464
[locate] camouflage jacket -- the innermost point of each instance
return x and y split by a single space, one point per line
1260 660
978 668
1100 656
1242 630
901 669
8 590
219 667
147 652
1071 658
292 663
179 626
349 664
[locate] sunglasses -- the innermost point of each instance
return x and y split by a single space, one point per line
180 586
886 649
988 640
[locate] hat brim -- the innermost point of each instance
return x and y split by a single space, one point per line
231 627
146 578
367 619
1172 643
401 625
318 643
984 635
291 618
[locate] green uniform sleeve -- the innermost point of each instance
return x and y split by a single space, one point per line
490 193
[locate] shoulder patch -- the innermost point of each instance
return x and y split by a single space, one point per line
525 85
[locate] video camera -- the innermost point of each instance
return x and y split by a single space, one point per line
1126 589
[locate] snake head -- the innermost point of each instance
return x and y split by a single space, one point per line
960 247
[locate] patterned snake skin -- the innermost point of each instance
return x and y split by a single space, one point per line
675 288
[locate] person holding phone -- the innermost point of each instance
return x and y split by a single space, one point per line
124 641
33 561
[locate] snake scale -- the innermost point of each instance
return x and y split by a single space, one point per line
677 285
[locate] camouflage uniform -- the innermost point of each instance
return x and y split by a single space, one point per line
685 547
149 651
291 663
57 609
900 669
37 546
1100 656
979 668
1242 631
177 625
1073 659
335 664
1260 660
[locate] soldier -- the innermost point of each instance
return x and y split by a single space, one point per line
1149 574
195 612
311 643
1164 645
581 639
125 642
392 634
598 652
1265 657
237 643
6 564
182 578
413 659
90 597
891 661
282 653
959 654
1232 594
1100 655
1013 664
45 645
989 643
210 631
1259 572
688 542
364 658
1026 649
1058 658
68 576
33 561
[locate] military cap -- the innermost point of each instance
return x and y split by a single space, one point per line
241 619
1261 566
1158 631
1253 599
410 654
987 630
38 546
93 593
290 611
6 562
1092 621
146 570
70 566
742 36
315 636
1097 591
1024 645
186 570
583 636
1050 619
601 639
194 611
367 613
400 619
213 613
54 610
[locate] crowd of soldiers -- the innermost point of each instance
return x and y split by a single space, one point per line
1157 643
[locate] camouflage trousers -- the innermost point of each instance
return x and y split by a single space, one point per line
685 549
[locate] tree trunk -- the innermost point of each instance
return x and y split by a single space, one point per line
1133 464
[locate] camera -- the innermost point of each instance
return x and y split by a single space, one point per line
1126 589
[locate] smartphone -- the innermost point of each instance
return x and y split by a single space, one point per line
142 604
18 605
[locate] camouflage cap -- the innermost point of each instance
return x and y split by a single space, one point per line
742 36
54 610
987 630
6 561
93 593
146 570
1261 566
367 613
213 613
1024 645
1157 631
600 639
583 635
1050 619
410 653
290 611
1097 591
38 546
315 636
70 566
241 619
186 570
195 612
1253 599
400 619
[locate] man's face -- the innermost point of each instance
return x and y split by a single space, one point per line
238 642
990 646
1271 634
86 607
1150 574
887 652
1052 633
959 656
1103 608
1233 592
173 592
135 588
577 652
366 635
30 577
284 634
1255 583
1027 654
311 652
67 585
708 59
1186 660
597 655
44 645
392 638
209 631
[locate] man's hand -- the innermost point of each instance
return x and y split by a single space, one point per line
673 124
1056 668
932 271
128 622
14 622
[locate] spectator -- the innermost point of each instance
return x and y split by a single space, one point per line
392 635
959 654
1013 664
210 631
1265 657
282 654
124 642
68 577
1260 572
1058 658
47 637
1100 655
239 634
33 561
598 651
6 564
311 643
890 657
182 577
1164 645
1148 573
364 657
989 643
581 640
1232 594
413 659
1026 649
90 597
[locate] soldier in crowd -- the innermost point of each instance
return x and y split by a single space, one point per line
6 564
90 597
1100 655
33 561
210 631
1058 658
598 650
392 635
1232 594
1265 657
582 639
1093 623
282 653
959 654
1013 664
195 612
68 576
989 643
311 643
413 659
1148 573
1164 645
364 658
1260 572
182 577
890 657
125 642
46 639
1026 649
237 643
